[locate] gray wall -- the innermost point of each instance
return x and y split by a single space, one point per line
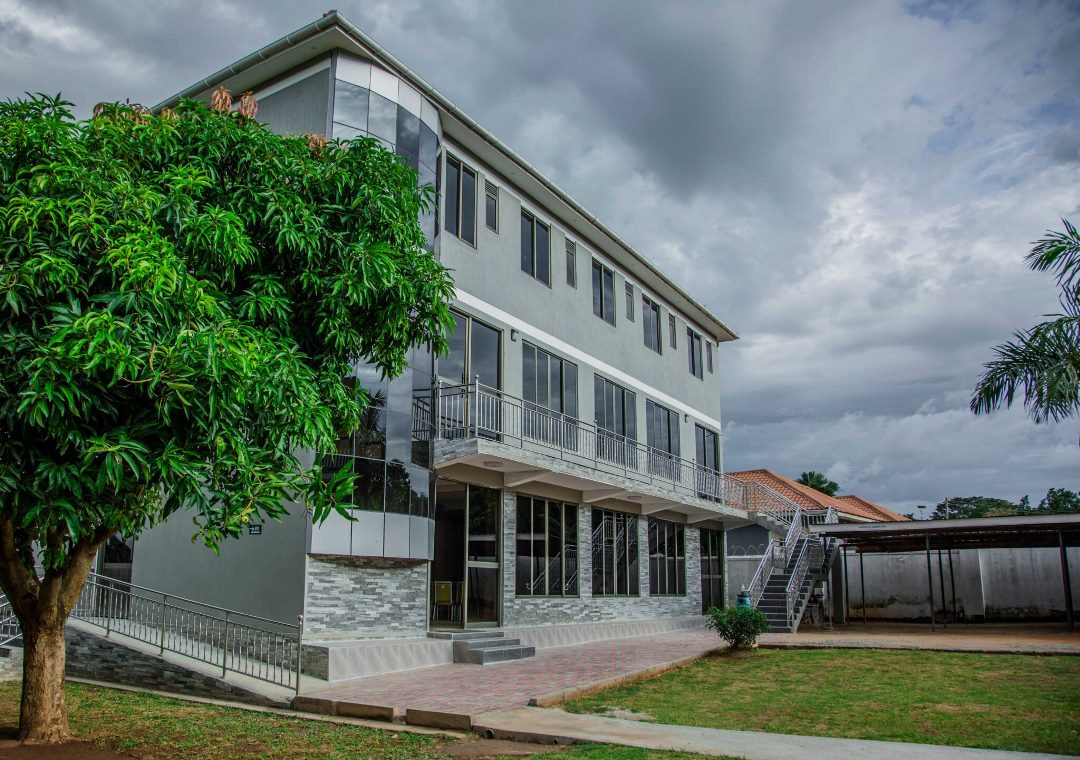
586 608
491 272
370 597
300 108
261 575
749 540
740 571
991 584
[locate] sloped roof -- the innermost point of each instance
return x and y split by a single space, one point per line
854 507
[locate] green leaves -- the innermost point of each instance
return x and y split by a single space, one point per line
182 301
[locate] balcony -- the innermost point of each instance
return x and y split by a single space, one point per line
475 427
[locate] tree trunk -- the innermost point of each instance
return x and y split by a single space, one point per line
43 712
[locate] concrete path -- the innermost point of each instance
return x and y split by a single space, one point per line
549 726
447 696
1025 638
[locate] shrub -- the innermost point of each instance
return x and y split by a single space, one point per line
738 626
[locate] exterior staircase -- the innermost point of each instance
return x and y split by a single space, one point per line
792 566
484 647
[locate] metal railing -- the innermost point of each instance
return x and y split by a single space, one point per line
9 624
234 641
764 570
795 583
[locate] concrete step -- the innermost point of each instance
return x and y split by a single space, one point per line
464 635
490 655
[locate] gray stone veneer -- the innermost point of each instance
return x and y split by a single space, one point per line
100 659
364 597
585 608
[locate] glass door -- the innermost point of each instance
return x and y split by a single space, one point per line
465 575
475 355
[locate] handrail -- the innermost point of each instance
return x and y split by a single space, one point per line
254 646
761 577
794 585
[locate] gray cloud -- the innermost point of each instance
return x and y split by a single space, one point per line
852 186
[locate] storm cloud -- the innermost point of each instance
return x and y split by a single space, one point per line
851 186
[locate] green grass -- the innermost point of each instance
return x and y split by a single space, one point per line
160 728
995 701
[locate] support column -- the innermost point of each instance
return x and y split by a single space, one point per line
847 597
862 587
952 582
1065 580
941 579
930 583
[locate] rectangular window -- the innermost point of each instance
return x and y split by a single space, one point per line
629 302
491 206
707 456
650 319
693 346
571 263
708 355
547 544
614 553
460 200
667 558
616 422
672 335
603 292
662 432
535 248
712 569
549 388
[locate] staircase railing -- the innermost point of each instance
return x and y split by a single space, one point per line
253 646
795 583
761 577
9 624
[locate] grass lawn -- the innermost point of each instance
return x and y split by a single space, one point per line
152 727
1016 702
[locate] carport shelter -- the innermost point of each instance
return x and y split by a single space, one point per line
1033 531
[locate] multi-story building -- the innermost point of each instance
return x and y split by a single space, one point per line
561 465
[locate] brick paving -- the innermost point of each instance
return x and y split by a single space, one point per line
474 689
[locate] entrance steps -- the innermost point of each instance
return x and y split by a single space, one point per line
484 647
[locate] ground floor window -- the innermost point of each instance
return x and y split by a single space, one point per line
667 558
712 569
547 542
614 553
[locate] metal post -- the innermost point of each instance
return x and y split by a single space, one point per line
164 609
108 610
299 648
941 578
1065 579
862 588
225 647
952 582
847 597
930 583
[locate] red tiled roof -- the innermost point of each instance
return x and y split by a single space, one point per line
808 498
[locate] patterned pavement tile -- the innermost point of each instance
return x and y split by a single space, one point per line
473 689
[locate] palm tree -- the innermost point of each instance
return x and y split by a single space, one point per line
1043 361
819 482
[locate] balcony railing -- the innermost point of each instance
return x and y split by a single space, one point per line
475 410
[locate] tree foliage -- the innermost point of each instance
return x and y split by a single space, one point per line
819 482
183 298
1042 362
1056 501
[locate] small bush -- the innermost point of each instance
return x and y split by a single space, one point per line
738 626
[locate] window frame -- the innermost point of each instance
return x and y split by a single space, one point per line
709 356
632 567
565 531
694 353
462 168
535 222
571 263
629 289
606 274
651 307
673 331
663 557
491 191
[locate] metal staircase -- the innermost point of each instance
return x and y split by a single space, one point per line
791 567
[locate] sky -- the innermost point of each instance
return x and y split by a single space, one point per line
851 186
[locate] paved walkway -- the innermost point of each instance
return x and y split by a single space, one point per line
1021 638
535 724
473 689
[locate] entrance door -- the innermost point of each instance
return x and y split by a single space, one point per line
465 574
712 569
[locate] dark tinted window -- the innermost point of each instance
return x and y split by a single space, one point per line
603 282
382 118
350 106
453 188
408 133
468 205
650 319
535 248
